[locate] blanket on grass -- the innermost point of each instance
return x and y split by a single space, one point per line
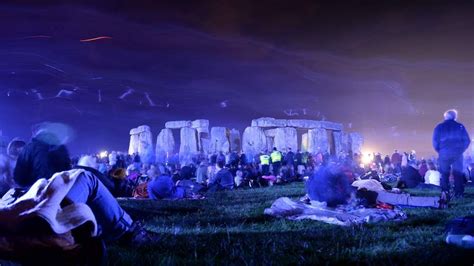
295 210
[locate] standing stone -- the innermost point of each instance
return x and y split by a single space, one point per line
235 141
270 143
253 142
286 137
205 144
165 145
133 147
318 140
337 136
177 124
304 142
202 128
346 143
188 146
219 140
145 144
357 141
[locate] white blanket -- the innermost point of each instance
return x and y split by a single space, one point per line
43 200
287 208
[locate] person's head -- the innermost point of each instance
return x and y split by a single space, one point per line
431 166
274 148
88 161
15 147
153 172
220 164
40 159
451 114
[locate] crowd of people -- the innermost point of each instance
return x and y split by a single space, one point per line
108 176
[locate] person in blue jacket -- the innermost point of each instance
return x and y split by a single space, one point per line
450 140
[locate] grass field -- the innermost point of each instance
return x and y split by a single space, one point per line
230 228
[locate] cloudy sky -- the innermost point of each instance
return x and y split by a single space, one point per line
387 69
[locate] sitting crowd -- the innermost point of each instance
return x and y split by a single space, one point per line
101 179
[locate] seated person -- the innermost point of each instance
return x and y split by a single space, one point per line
239 179
329 184
46 155
432 176
163 187
223 180
410 177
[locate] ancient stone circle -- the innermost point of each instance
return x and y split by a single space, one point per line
263 134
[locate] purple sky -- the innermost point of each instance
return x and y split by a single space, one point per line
386 70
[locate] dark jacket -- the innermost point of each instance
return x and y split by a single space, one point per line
329 184
450 139
290 158
223 179
40 160
410 178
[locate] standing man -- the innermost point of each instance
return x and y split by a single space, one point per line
265 163
450 140
290 162
276 161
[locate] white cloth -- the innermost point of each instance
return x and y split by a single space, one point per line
369 184
285 207
43 200
432 177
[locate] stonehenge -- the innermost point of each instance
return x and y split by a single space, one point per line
263 134
141 142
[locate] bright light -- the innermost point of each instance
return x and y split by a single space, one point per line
367 158
103 154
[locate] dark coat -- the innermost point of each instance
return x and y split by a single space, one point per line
410 178
329 184
290 158
223 180
40 160
450 139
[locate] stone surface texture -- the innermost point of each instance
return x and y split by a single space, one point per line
286 137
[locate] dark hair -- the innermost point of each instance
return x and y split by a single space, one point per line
40 160
221 164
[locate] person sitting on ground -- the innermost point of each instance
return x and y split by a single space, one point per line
432 176
223 180
201 173
423 168
410 177
46 155
330 185
285 172
162 187
239 179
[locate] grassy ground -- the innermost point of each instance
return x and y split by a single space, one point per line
230 228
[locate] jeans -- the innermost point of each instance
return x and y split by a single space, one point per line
446 164
112 220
